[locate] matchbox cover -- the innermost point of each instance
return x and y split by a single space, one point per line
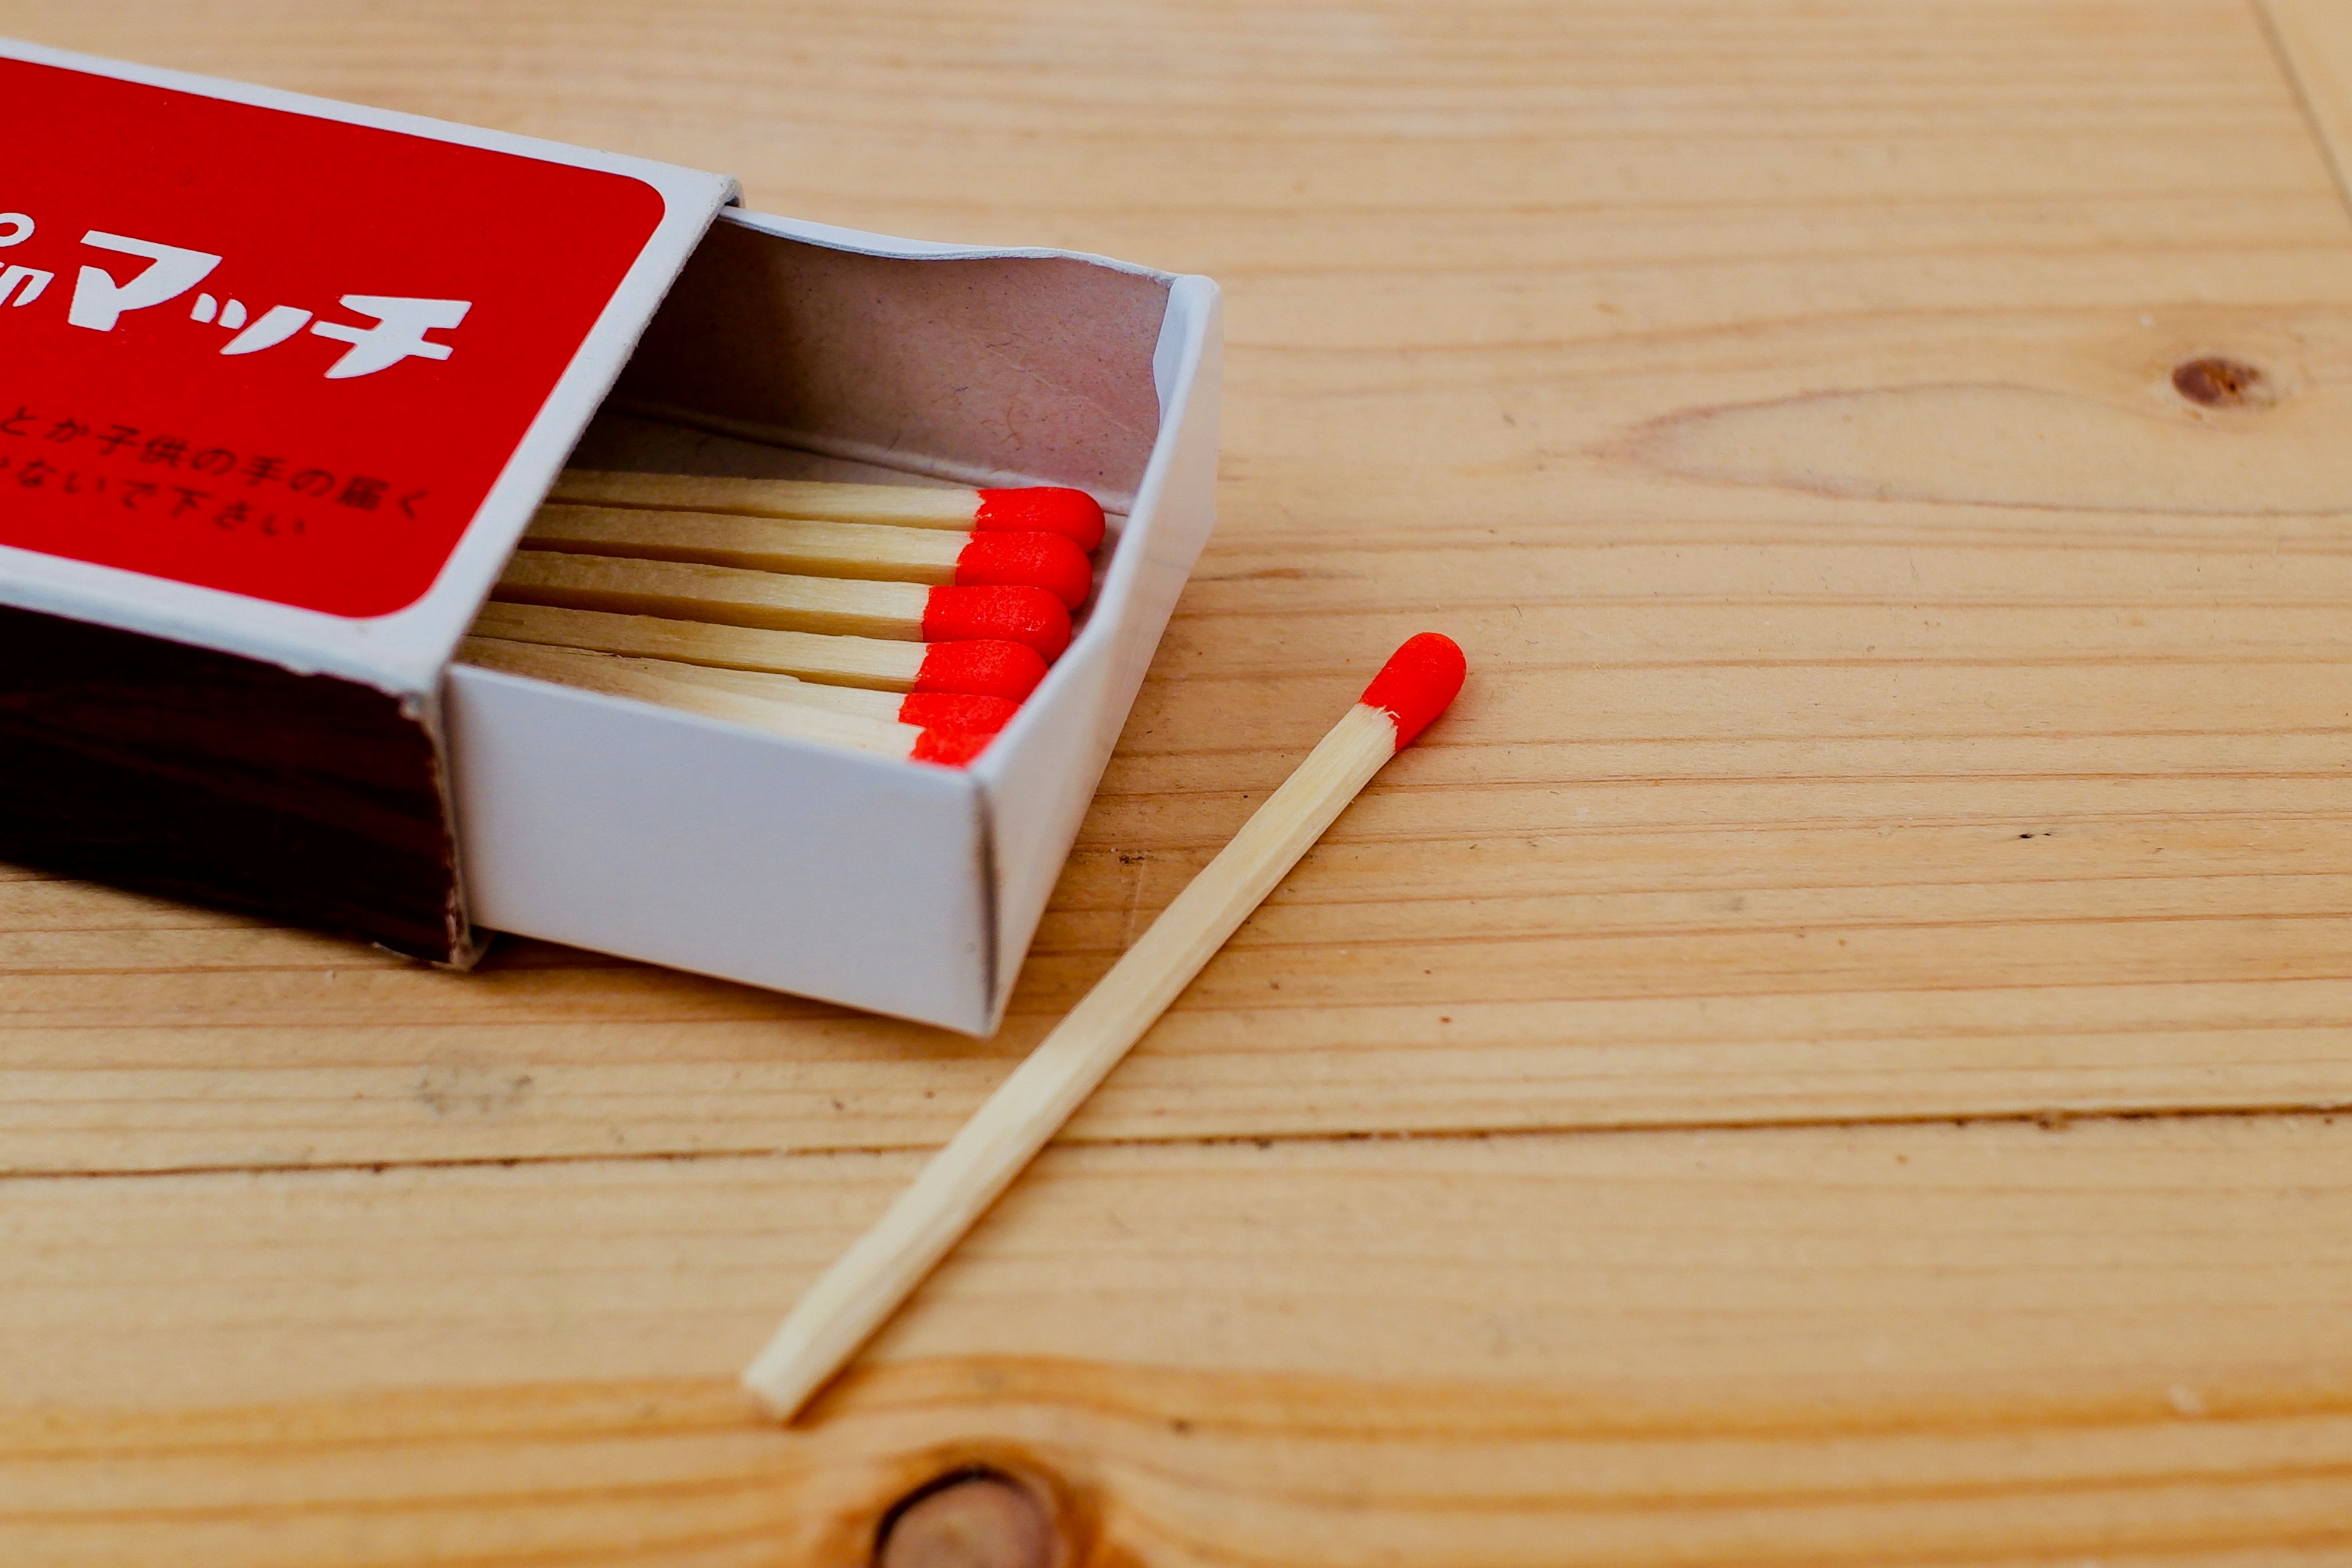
263 352
267 360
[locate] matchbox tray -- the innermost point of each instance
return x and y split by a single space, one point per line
283 381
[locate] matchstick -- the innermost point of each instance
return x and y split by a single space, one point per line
882 1268
1001 669
648 680
1040 508
927 555
682 591
923 709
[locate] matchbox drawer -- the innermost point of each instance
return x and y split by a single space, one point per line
913 890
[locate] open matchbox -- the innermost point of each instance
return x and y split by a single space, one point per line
284 382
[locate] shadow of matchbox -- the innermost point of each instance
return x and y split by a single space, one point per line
285 383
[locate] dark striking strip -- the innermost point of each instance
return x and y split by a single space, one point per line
223 780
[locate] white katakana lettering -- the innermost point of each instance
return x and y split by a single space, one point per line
273 327
99 301
399 334
32 277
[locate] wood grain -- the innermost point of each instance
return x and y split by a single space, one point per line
2314 40
1985 1344
1895 700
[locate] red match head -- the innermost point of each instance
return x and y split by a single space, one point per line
1030 616
956 710
1418 681
1003 669
1047 560
1042 508
949 748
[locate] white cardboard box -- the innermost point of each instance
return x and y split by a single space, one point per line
248 717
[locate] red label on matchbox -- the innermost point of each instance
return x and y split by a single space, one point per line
285 356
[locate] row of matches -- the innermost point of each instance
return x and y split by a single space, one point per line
910 622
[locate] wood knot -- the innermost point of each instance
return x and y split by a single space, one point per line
970 1518
2214 382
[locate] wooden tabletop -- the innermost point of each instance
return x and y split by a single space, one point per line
1826 1056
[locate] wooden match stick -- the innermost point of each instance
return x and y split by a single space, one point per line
1003 669
1039 508
882 1268
647 680
624 675
680 590
927 555
923 709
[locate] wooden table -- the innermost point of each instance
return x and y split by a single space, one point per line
1826 1056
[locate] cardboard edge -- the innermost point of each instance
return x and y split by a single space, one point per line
1114 649
864 243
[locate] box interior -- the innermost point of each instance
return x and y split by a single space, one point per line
779 861
971 370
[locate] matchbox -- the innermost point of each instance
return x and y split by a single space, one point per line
284 384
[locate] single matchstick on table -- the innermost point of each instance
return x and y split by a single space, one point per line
685 688
775 602
881 1270
1003 669
1038 509
926 555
